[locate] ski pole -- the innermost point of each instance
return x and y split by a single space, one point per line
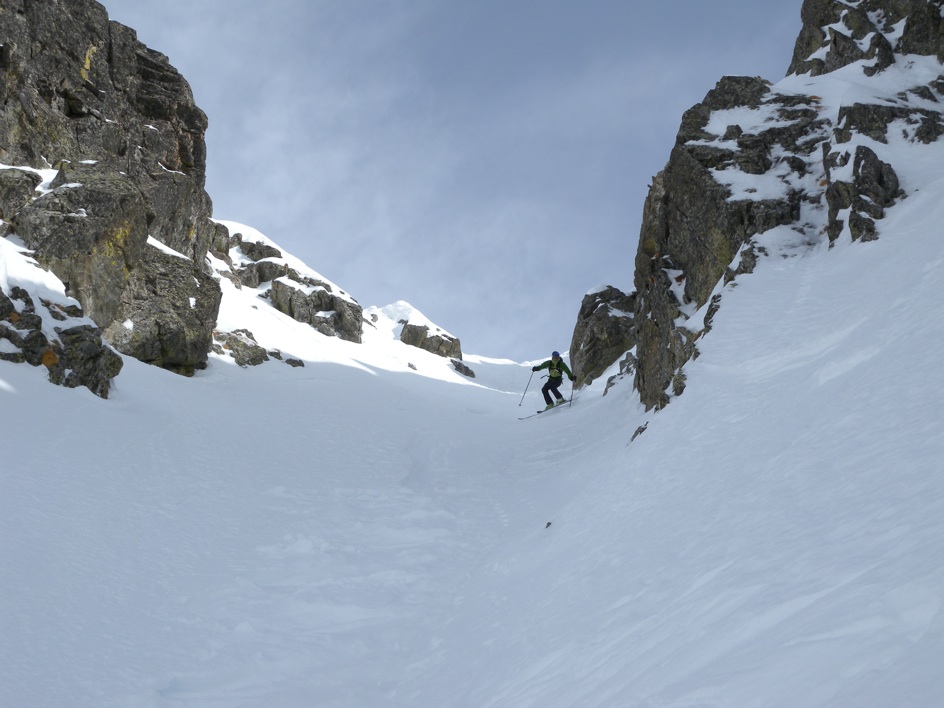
526 387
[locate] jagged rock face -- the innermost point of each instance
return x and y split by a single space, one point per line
605 331
304 296
872 189
314 302
823 47
74 353
16 191
74 80
791 163
91 236
694 227
266 264
151 324
83 94
436 342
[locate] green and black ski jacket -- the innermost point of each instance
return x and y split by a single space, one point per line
556 371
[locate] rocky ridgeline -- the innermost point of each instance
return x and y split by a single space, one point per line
752 157
250 261
102 173
288 285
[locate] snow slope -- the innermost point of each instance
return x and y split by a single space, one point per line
358 532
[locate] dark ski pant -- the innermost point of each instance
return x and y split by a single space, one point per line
553 383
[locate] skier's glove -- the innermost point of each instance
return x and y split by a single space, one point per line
535 368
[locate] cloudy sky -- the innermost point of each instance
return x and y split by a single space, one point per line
485 160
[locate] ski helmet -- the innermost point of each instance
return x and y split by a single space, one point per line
555 354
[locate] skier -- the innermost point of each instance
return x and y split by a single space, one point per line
556 368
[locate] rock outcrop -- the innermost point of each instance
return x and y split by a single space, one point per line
242 346
698 216
605 331
462 368
432 339
755 158
166 313
292 288
71 350
836 34
315 302
82 96
411 327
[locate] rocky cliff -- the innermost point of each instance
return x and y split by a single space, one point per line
761 169
117 128
102 173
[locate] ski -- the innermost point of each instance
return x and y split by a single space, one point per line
544 410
